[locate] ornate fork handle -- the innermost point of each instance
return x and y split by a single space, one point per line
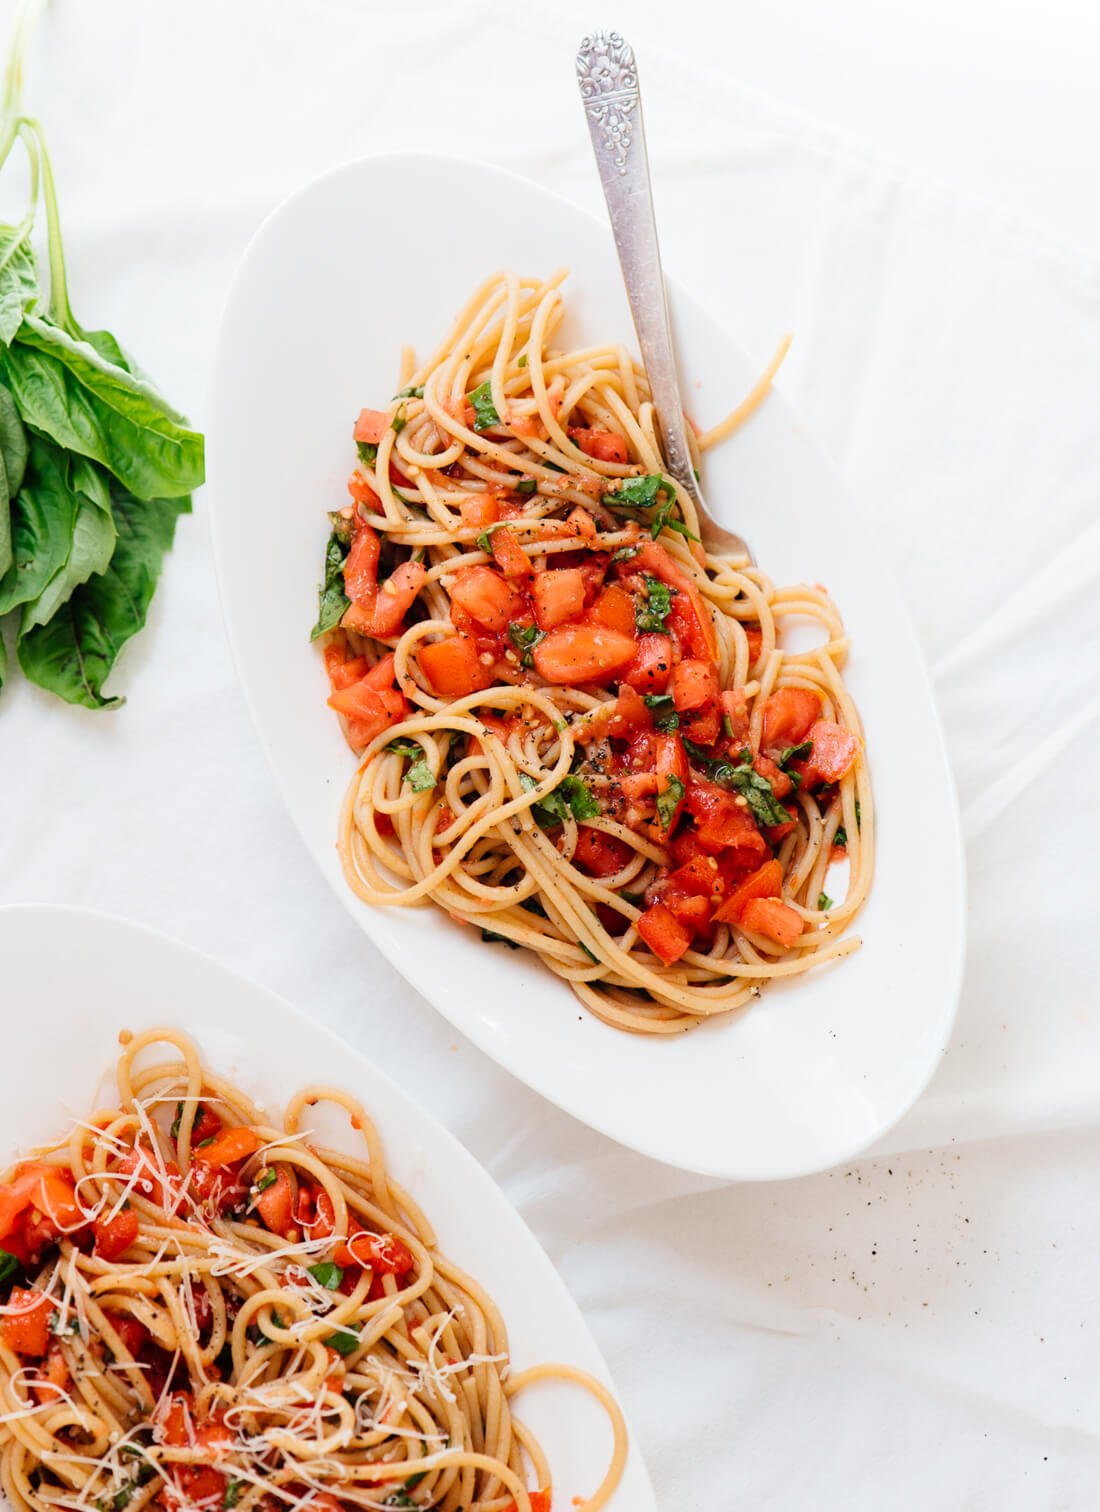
608 81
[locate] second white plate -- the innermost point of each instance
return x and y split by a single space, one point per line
329 291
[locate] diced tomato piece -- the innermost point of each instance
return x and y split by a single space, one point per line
509 555
381 675
481 510
36 1188
833 754
363 704
371 426
384 1254
691 909
788 715
722 821
361 564
540 1502
755 637
27 1330
229 1148
54 1375
141 1162
765 882
602 445
781 783
735 709
132 1333
703 726
631 713
694 684
275 1204
362 492
384 615
689 611
558 596
342 669
651 665
614 608
486 598
773 919
699 875
581 523
175 1418
663 932
671 757
574 654
114 1236
598 854
452 667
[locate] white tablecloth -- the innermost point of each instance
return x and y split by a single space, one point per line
920 1329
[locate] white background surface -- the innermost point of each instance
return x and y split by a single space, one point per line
912 190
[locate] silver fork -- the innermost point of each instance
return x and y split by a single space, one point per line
608 79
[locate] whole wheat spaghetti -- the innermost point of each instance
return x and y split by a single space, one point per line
581 732
203 1310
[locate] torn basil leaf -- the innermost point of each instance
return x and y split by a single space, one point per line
485 413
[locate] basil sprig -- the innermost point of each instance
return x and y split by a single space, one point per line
744 779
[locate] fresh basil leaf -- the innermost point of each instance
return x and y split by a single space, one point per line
669 801
756 790
485 540
658 700
232 1495
625 553
485 414
368 452
663 520
638 493
14 446
267 1178
19 288
73 654
582 804
499 939
532 905
525 486
411 393
824 902
66 390
400 1498
522 360
9 1266
332 601
406 748
795 753
174 1131
344 1341
591 954
91 548
327 1274
420 777
727 726
841 837
652 614
525 638
859 822
635 899
571 797
399 421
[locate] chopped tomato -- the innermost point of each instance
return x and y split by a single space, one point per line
114 1236
229 1147
132 1333
602 445
704 725
781 783
382 613
722 821
773 919
275 1204
598 854
735 709
663 932
36 1207
384 1254
581 523
365 710
698 875
688 609
833 753
755 637
582 653
486 597
362 492
651 666
452 667
480 511
631 712
26 1331
540 1502
788 715
614 608
371 426
765 882
141 1162
54 1376
201 1484
558 596
509 555
694 684
342 669
361 564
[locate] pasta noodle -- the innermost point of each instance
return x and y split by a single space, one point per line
582 732
216 1313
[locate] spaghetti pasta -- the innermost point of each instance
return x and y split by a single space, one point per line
582 732
204 1310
